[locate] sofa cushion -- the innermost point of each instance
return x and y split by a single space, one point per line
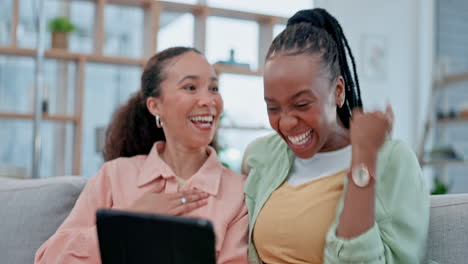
31 211
448 229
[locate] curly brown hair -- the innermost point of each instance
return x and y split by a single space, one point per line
133 129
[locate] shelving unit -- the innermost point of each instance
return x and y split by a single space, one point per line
439 88
152 13
44 116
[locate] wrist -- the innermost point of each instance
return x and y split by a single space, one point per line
364 156
363 168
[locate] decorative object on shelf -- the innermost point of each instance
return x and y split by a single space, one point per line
446 115
463 111
447 152
232 60
454 151
45 100
60 28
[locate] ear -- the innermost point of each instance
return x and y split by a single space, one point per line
153 104
340 92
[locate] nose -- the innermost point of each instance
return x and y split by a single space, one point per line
287 122
206 99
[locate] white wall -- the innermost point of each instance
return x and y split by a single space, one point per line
407 27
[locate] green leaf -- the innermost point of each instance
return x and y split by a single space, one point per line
61 24
439 187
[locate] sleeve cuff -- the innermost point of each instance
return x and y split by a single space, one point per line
367 247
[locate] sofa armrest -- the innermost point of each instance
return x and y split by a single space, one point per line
31 211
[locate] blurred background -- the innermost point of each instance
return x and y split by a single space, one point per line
412 54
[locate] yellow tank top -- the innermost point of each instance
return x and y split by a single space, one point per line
292 226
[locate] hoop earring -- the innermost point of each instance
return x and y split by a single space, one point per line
159 123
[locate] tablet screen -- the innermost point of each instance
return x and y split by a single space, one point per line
128 237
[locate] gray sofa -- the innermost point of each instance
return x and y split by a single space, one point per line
31 211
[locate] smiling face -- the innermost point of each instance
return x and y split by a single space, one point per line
301 102
189 105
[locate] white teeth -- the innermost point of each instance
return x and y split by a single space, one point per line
301 139
201 118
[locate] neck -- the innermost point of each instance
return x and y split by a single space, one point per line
184 161
339 139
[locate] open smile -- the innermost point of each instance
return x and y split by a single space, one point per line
203 122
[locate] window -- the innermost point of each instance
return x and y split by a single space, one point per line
244 105
80 13
124 31
175 29
106 88
18 72
16 148
244 117
219 43
57 148
82 16
6 7
278 8
277 29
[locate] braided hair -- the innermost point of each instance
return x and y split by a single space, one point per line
315 31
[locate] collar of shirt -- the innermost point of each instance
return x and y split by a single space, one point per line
206 179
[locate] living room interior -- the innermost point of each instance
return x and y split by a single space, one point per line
67 65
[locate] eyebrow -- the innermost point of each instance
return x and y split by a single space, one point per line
307 91
195 77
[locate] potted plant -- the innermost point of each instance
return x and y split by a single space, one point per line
60 27
440 187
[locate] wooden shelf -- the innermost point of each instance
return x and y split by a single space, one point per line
234 69
62 118
451 79
444 162
124 2
219 12
198 9
65 55
446 121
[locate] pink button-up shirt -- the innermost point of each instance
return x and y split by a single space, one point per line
122 181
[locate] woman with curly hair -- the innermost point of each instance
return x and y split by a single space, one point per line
158 160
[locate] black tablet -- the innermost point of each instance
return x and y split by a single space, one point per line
127 237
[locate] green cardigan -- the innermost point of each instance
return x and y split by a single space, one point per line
401 205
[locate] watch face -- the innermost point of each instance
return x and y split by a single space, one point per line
360 176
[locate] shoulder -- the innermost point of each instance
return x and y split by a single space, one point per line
396 152
263 150
122 167
125 163
270 142
398 171
232 182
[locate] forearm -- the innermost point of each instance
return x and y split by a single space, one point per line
359 202
70 246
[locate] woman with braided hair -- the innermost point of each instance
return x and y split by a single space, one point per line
329 186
